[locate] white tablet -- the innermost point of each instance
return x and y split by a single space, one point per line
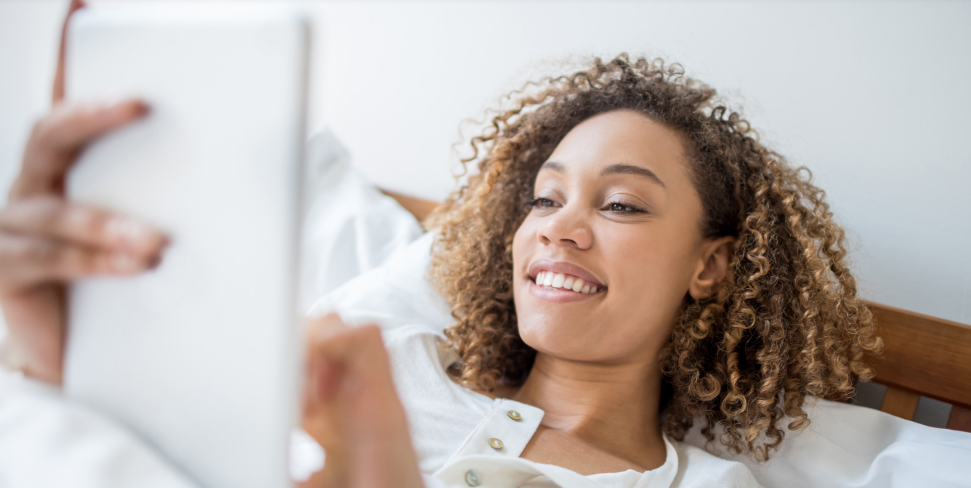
200 357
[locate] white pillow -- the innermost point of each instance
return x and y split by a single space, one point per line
349 226
853 446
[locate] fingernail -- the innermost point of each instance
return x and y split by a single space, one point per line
127 231
121 110
123 262
327 378
142 108
154 262
106 105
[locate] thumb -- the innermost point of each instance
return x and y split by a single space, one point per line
58 93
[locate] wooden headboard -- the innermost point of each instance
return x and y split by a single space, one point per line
418 207
923 355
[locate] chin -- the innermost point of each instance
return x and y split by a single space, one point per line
558 338
565 331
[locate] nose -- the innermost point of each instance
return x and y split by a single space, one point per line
567 227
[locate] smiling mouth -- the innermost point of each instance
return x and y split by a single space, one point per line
565 282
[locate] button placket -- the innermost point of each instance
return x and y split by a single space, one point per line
499 428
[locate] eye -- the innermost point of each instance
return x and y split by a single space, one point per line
541 202
623 208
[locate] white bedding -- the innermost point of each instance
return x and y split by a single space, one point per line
351 228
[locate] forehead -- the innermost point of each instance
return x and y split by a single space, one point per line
622 137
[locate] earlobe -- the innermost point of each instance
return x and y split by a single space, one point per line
712 268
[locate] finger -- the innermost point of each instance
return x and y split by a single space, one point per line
322 373
57 139
28 261
330 338
365 417
48 216
58 94
352 368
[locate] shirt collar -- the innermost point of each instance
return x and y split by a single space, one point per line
492 451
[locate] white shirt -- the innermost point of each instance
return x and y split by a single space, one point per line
462 437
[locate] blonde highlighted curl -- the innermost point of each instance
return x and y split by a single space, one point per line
786 324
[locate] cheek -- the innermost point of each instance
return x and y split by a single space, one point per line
541 325
520 251
642 262
649 279
519 244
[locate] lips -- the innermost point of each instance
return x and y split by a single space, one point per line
564 276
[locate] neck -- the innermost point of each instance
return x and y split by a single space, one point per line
612 406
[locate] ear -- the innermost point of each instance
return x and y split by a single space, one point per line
712 268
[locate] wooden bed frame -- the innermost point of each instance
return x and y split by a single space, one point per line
923 355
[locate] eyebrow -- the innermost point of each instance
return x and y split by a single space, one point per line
629 169
614 169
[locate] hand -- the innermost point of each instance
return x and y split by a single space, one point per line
46 242
351 408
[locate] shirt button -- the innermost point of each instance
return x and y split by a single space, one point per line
495 443
473 478
514 415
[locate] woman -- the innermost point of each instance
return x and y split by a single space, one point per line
628 258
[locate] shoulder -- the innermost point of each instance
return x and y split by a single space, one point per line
699 468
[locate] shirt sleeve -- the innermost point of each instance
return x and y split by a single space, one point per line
47 441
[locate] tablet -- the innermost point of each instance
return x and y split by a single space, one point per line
200 357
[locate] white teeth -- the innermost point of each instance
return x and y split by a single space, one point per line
563 281
548 279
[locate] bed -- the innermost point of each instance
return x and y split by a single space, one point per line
355 232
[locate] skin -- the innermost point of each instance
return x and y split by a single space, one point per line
636 230
596 373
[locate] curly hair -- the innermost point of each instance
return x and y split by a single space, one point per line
786 323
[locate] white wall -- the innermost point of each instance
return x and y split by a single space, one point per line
874 97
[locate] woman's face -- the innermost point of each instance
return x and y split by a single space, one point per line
616 208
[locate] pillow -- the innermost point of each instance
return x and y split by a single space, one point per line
854 446
349 226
